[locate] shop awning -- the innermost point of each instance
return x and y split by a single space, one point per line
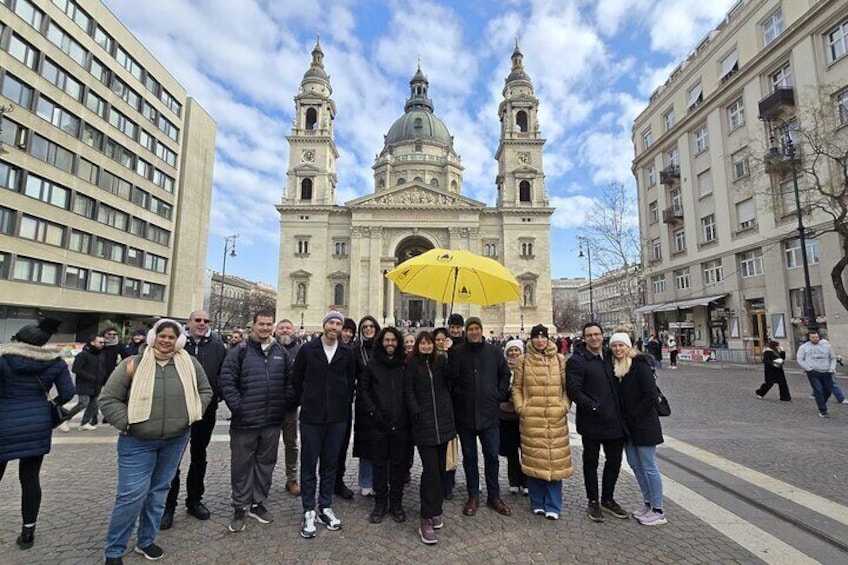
679 304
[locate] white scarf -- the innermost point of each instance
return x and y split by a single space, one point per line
141 392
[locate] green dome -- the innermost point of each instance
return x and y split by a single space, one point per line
419 123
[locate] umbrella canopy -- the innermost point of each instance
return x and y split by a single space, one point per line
450 277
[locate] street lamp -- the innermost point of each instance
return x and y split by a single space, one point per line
301 322
229 249
776 155
522 324
589 259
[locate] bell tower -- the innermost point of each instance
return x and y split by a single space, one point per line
521 178
311 176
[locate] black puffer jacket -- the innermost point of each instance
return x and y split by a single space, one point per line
211 352
89 371
428 400
363 352
479 379
254 384
594 389
639 403
381 387
323 390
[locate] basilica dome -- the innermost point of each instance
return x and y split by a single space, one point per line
419 121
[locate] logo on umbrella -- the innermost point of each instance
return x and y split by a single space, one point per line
464 293
445 257
403 274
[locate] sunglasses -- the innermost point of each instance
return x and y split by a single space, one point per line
199 320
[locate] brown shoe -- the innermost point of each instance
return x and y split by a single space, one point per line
293 488
471 506
499 506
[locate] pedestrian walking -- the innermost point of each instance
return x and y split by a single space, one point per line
773 358
672 352
90 376
152 400
639 401
654 348
817 359
28 370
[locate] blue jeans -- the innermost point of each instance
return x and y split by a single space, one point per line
366 473
546 495
491 441
145 470
643 461
837 392
822 384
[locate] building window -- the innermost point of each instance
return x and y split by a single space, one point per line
103 39
7 220
746 214
111 250
76 278
676 199
521 121
80 242
705 183
339 294
524 191
713 272
84 205
135 257
61 79
168 100
792 252
735 115
112 217
656 249
44 190
153 291
668 119
128 63
63 41
782 78
840 101
647 139
681 279
104 283
490 250
155 263
311 119
37 229
75 13
302 247
708 228
57 116
132 287
123 123
306 189
652 175
658 283
679 238
138 227
23 52
695 96
836 41
33 270
653 212
773 27
702 139
29 13
17 91
340 249
673 157
729 66
796 301
527 249
751 263
741 166
158 235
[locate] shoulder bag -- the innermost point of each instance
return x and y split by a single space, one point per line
58 414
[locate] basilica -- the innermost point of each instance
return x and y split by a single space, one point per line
335 256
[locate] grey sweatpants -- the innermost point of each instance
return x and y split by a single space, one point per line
253 456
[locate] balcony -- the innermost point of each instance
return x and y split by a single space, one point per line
777 162
673 215
670 175
777 103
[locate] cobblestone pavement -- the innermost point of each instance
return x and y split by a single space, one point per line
714 410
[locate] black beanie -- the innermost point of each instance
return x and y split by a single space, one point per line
349 324
538 330
38 334
456 320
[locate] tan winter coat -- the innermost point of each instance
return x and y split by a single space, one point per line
538 392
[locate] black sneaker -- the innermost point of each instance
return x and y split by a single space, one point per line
114 561
259 513
237 523
167 520
151 552
594 511
613 508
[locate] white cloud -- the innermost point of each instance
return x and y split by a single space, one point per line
571 211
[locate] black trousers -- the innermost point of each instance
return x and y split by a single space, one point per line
388 456
613 449
341 466
432 468
201 433
781 385
29 469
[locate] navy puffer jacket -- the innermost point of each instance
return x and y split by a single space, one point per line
89 371
25 423
253 384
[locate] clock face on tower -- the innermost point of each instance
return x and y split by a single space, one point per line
308 155
524 158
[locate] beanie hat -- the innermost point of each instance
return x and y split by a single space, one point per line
538 330
456 320
38 334
514 343
620 337
471 321
349 324
333 315
140 331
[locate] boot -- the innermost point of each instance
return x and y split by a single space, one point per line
397 511
27 537
427 532
378 513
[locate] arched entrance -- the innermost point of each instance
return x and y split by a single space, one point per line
415 310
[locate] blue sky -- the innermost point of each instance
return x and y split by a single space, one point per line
593 64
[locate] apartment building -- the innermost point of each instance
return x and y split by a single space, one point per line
105 173
722 256
613 299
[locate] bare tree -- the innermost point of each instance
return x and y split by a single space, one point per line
567 315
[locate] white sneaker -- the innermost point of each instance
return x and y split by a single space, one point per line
327 517
525 491
367 491
307 528
88 427
65 426
551 515
845 401
514 490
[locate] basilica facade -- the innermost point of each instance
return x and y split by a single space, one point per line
335 256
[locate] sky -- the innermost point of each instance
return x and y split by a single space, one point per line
593 63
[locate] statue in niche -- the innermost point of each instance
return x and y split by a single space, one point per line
301 294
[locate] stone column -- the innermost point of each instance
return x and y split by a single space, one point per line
355 307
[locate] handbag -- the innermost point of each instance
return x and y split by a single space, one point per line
507 412
58 414
663 407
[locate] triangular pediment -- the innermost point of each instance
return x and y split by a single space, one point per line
414 196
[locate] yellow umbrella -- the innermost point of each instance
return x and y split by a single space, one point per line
449 276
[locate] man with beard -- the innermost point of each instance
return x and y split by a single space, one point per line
112 349
322 383
207 348
136 341
285 335
341 489
480 381
363 351
381 388
90 375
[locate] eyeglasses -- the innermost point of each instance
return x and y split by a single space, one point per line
203 320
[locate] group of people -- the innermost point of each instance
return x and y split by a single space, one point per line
386 391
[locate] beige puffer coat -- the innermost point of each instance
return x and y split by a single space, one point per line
538 392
